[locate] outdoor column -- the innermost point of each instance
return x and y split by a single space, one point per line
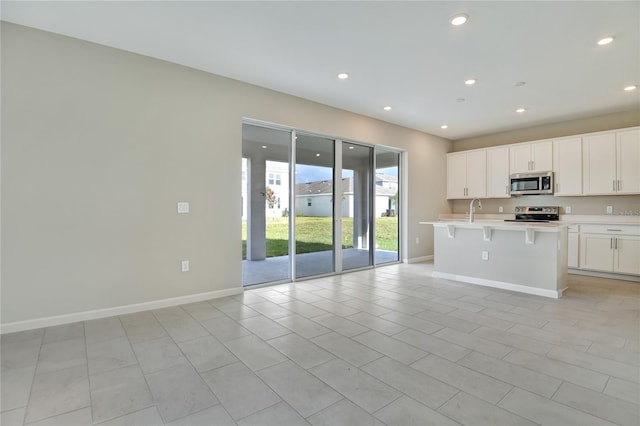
256 204
360 208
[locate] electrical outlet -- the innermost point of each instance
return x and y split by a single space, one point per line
567 209
417 240
485 255
609 209
500 209
183 207
184 265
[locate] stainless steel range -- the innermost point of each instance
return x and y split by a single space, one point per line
536 214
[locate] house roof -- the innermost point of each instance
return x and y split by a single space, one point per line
325 187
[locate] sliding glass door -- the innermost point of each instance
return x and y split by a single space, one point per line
314 197
387 204
265 205
356 206
313 205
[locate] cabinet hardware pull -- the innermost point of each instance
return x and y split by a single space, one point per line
614 230
611 243
619 184
615 244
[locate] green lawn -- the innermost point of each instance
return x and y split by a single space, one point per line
315 234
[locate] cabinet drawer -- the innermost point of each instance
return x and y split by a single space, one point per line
574 228
611 229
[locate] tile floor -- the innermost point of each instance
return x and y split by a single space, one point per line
387 346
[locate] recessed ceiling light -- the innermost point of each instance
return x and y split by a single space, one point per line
318 155
520 83
470 81
630 88
459 19
387 108
444 126
264 147
343 76
352 147
520 110
459 100
605 40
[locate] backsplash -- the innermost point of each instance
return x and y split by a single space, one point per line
628 205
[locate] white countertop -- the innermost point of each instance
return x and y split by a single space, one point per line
499 225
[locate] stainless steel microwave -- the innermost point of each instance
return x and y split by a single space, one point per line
531 183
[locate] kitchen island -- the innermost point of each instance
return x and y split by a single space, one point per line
525 257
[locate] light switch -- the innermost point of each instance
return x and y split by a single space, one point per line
183 207
184 266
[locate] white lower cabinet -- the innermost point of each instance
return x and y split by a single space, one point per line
627 260
574 249
610 248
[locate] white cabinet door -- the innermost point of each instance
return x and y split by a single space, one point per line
520 158
573 249
567 166
532 157
456 175
498 173
477 174
628 156
599 164
542 156
627 255
596 252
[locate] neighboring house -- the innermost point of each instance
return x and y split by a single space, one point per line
314 198
277 178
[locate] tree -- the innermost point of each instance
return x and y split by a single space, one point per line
270 197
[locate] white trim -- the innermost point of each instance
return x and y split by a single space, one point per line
609 275
117 310
555 294
418 259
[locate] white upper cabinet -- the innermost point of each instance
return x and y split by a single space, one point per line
531 157
567 166
602 163
498 173
610 163
457 175
466 174
628 161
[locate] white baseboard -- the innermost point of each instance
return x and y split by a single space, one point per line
117 310
418 259
586 272
555 294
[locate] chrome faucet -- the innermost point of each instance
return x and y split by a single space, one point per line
471 208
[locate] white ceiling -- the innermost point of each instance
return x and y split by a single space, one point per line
403 54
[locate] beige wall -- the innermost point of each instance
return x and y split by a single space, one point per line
598 123
98 145
593 205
